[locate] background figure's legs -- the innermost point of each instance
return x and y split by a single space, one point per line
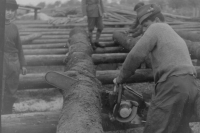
100 26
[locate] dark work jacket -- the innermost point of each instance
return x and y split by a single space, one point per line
92 8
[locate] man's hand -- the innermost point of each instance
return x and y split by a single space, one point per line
24 70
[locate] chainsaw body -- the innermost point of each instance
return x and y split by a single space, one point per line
127 105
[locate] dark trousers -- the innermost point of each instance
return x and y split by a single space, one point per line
95 22
172 105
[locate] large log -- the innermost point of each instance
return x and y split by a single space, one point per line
30 38
81 106
37 80
42 41
44 46
45 60
67 36
60 45
46 122
63 51
57 51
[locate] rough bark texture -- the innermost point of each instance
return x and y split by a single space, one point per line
81 106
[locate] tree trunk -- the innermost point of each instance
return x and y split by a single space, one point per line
44 46
43 41
60 51
30 38
45 60
81 106
63 51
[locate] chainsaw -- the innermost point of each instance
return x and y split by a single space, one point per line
125 105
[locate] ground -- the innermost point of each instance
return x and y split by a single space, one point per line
51 100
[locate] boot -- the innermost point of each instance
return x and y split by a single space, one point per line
7 105
98 34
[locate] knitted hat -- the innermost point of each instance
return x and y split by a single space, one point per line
12 4
146 11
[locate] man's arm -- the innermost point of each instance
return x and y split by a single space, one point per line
137 55
83 4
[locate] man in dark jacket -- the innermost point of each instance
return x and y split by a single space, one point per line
94 11
136 28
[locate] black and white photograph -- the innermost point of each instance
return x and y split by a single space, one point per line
100 66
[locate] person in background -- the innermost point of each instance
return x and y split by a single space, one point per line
136 28
175 90
94 11
14 60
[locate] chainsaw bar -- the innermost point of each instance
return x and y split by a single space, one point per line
59 80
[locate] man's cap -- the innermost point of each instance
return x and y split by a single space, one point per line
138 5
11 4
146 11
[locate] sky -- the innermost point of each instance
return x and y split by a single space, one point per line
35 2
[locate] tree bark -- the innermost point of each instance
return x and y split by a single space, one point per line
81 106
